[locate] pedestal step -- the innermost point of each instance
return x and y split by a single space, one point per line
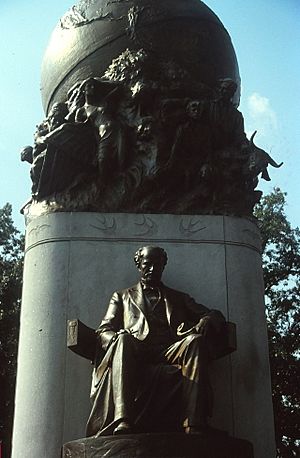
159 446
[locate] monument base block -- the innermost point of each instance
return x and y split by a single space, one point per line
73 263
159 446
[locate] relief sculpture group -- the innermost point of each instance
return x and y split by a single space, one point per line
147 137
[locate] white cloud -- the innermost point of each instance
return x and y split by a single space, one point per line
262 116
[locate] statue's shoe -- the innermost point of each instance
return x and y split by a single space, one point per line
123 428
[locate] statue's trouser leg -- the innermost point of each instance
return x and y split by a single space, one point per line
192 354
125 376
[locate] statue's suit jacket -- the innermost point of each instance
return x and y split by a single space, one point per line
127 310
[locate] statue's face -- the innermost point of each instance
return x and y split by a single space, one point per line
194 109
227 90
89 87
145 129
151 266
56 116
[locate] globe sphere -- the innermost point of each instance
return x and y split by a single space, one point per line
94 32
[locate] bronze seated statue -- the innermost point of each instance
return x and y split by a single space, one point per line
151 353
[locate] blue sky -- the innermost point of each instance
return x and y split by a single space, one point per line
266 37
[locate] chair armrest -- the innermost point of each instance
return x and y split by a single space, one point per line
81 339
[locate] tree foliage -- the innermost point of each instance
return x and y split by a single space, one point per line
11 266
281 264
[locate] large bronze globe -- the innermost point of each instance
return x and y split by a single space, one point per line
94 32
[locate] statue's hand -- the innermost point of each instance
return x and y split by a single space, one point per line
203 326
123 331
115 336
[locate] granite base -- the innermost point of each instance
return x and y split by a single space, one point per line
159 446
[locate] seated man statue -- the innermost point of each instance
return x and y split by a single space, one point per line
158 343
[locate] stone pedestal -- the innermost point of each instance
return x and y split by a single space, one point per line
73 263
159 446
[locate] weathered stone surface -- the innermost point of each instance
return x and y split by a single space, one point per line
159 446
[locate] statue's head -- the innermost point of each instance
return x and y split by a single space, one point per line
89 86
227 88
146 128
194 109
102 92
151 261
57 115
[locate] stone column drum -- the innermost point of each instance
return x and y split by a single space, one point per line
73 263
